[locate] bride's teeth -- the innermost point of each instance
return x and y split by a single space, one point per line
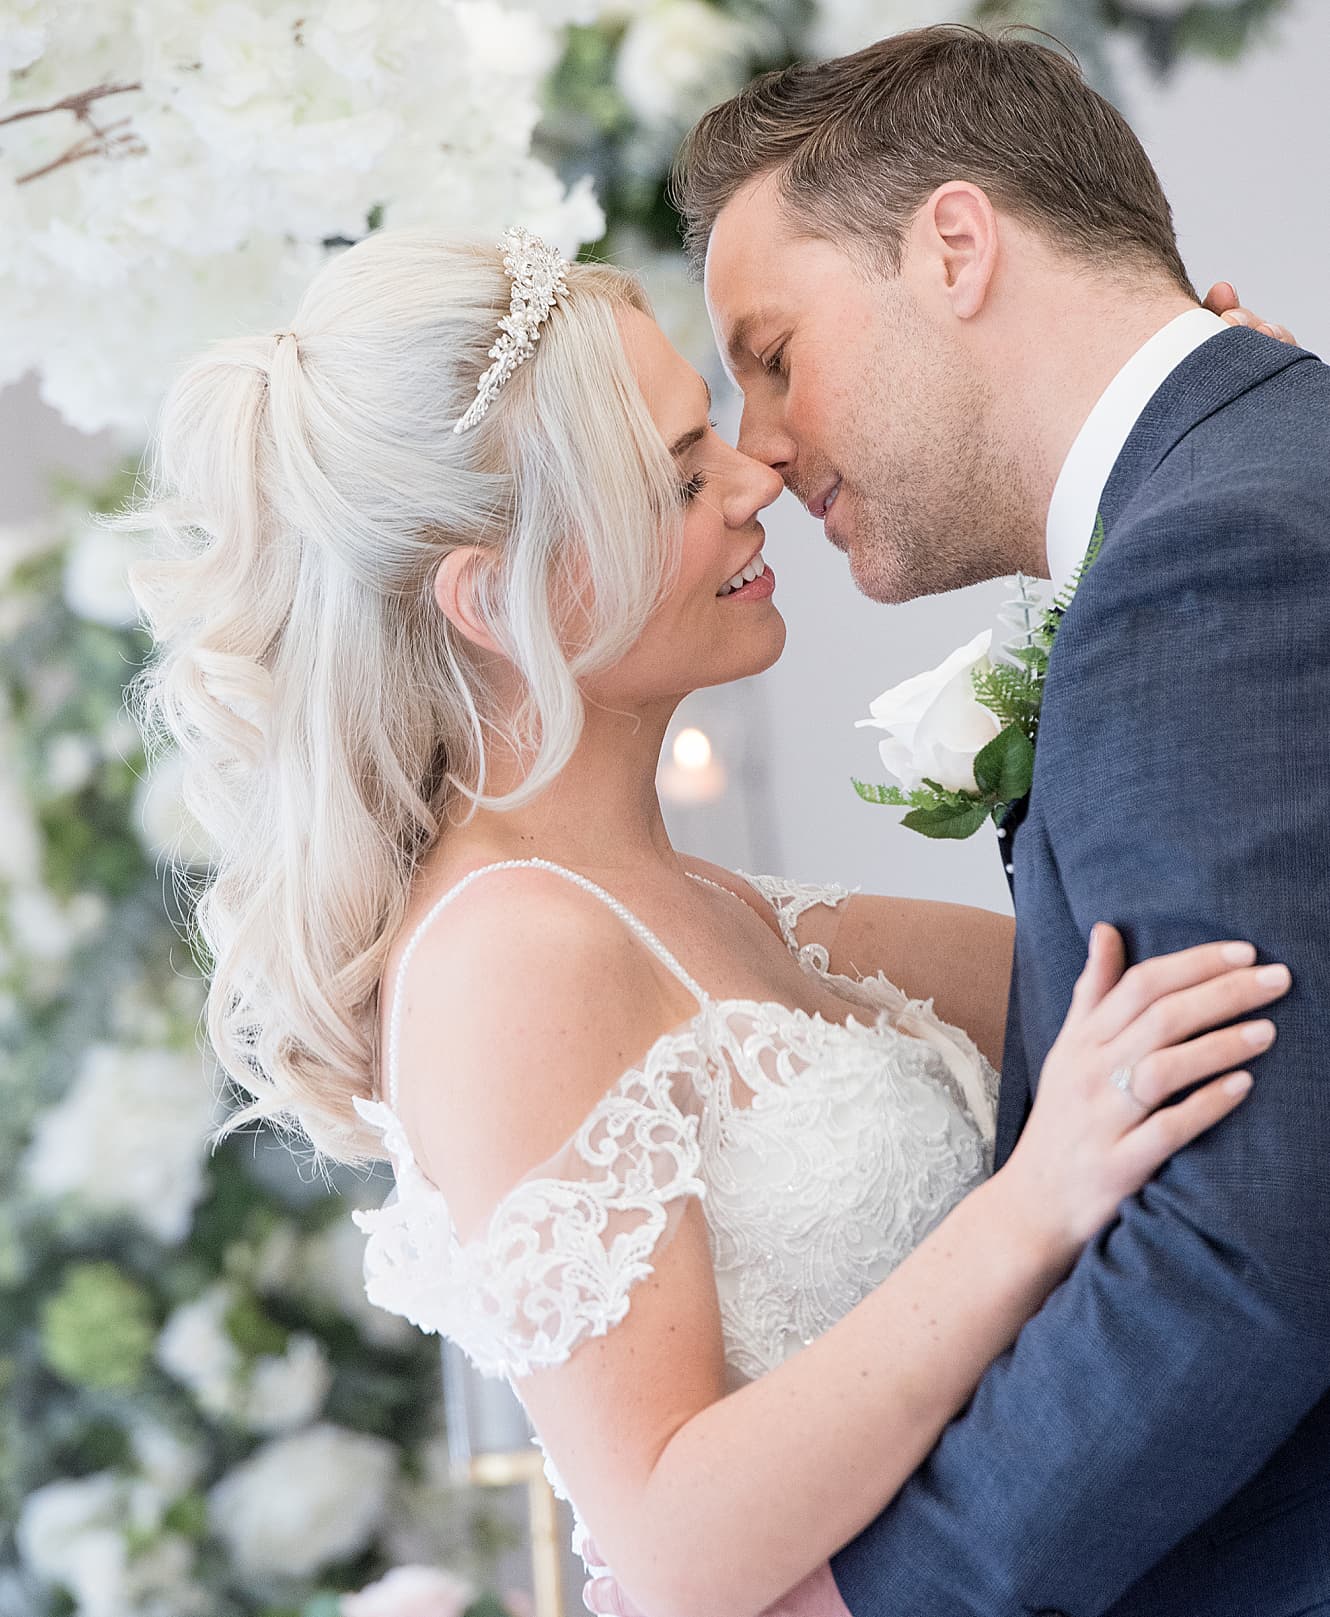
750 572
761 566
738 581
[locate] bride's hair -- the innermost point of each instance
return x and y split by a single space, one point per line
302 489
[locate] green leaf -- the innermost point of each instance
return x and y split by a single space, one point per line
889 796
1005 767
954 824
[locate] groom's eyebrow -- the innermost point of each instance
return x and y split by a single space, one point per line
740 345
696 434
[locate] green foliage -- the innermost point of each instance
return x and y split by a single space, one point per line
98 1327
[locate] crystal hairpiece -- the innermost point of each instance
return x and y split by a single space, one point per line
537 272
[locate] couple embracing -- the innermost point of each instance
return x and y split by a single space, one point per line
811 1311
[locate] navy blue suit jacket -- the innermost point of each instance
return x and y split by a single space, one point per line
1157 1441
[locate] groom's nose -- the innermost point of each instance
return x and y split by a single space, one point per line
763 436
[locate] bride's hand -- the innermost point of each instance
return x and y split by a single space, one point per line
1222 299
1088 1142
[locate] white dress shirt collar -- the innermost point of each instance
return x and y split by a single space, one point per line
1080 484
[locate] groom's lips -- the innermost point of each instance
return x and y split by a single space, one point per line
818 507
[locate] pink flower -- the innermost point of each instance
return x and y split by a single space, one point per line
411 1591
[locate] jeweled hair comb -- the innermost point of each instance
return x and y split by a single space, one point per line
537 272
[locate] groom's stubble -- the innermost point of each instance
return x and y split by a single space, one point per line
938 495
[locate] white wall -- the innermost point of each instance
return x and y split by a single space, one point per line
1244 154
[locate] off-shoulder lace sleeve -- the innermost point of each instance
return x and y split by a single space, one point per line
563 1248
791 901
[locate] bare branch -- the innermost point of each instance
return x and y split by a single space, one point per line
78 104
127 144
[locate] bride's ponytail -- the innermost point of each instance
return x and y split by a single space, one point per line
303 488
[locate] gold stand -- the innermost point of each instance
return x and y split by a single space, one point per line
527 1466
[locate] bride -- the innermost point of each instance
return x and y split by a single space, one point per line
700 1161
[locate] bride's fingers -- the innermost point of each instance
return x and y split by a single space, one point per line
1160 977
1221 297
1104 964
1162 1073
1150 1144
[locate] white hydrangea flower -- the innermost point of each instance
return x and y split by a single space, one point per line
165 1459
130 1136
277 1393
166 827
71 760
298 1503
194 1348
842 26
96 582
260 131
73 1534
49 929
286 1391
333 1264
680 57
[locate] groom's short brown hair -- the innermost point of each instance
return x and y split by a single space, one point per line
860 142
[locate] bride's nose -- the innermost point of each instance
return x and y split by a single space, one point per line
752 487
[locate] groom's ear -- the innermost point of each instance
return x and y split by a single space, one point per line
960 238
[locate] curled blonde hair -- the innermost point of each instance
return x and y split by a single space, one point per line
303 488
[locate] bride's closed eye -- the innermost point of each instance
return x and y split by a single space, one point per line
693 486
774 363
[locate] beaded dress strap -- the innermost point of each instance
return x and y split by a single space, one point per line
643 932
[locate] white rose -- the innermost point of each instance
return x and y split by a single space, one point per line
130 1136
935 724
299 1503
411 1591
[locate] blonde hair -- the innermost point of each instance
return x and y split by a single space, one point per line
303 488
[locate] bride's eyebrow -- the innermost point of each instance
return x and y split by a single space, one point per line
694 434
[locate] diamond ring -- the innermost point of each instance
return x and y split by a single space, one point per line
1121 1078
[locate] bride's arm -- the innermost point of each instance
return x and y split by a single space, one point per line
955 954
709 1504
958 955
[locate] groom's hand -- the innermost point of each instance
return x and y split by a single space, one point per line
1222 299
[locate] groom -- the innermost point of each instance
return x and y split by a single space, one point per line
945 277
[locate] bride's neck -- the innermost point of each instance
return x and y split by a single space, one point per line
601 813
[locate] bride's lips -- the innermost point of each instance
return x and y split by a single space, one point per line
757 589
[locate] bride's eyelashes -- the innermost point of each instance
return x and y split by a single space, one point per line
697 482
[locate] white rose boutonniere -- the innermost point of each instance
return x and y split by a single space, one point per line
935 724
960 739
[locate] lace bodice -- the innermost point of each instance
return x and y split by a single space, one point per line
821 1151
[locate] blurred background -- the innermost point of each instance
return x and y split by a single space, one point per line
199 1411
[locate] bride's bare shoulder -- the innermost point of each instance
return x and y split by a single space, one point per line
523 1000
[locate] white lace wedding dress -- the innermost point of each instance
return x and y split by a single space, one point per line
822 1152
